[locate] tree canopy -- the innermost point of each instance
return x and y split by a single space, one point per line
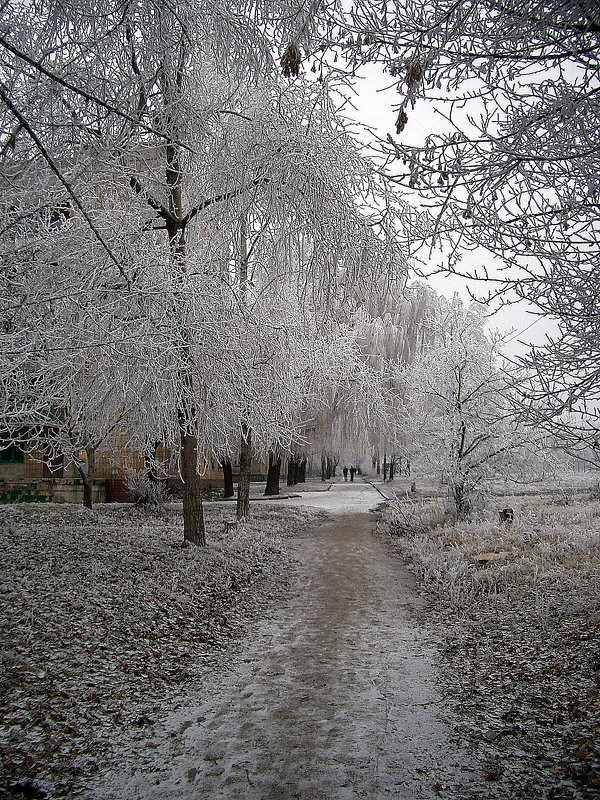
515 170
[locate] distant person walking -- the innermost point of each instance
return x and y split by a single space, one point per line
352 471
345 471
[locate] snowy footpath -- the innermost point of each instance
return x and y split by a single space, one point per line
331 696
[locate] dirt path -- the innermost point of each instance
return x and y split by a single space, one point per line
332 697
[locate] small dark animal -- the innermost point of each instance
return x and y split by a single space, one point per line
506 515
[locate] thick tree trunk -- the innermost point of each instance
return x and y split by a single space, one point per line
323 468
301 472
243 498
273 474
194 531
227 478
461 500
88 500
392 466
193 513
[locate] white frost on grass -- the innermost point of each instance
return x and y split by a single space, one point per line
547 543
520 638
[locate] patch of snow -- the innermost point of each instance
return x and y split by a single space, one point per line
352 497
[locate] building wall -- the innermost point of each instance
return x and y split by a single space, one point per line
12 472
30 475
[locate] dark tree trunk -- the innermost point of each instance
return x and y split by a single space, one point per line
291 471
301 472
243 498
150 464
194 531
461 500
329 467
88 500
273 474
323 468
193 512
392 466
227 478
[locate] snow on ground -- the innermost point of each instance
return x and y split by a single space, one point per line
517 609
331 697
340 498
105 619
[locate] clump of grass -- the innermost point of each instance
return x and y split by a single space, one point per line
460 562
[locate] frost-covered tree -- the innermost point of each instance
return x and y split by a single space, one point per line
455 406
386 326
560 380
58 320
350 405
392 326
121 84
145 105
297 227
80 354
515 172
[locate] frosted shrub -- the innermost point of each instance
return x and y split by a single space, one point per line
145 492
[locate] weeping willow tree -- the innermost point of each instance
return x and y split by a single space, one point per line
389 326
174 109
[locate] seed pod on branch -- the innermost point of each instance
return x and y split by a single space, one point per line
414 73
291 60
401 120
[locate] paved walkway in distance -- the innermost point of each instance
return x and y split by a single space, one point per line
333 696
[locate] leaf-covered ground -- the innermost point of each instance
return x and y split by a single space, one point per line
518 613
104 616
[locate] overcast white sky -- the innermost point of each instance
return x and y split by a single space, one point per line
374 104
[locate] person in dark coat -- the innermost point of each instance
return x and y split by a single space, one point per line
345 471
352 471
